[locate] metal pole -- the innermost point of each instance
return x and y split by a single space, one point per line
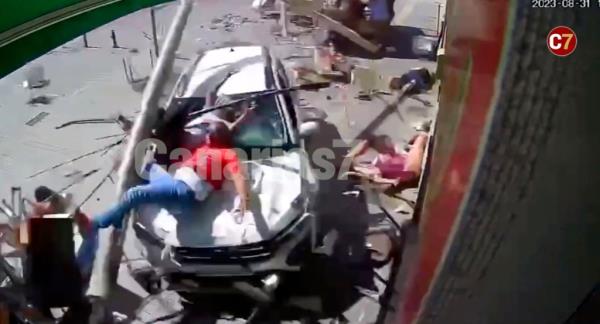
151 58
125 71
85 42
110 249
437 25
283 19
113 36
154 38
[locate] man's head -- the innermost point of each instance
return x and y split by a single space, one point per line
43 193
382 144
219 135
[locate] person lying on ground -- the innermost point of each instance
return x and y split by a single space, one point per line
377 25
420 79
390 167
205 171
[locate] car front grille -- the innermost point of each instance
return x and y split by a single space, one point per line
224 255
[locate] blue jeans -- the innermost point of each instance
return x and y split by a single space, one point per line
162 189
87 252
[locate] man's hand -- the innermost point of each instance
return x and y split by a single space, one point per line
240 212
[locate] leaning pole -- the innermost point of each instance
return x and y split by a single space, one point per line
110 248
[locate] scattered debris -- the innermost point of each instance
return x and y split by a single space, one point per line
365 96
302 21
34 78
119 142
40 100
88 121
424 126
304 75
367 79
229 22
73 173
37 118
109 136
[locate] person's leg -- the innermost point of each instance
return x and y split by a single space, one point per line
87 252
156 174
163 191
414 158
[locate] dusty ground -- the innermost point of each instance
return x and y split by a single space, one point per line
91 83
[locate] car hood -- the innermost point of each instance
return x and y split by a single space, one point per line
276 188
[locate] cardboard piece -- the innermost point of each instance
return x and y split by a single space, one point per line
368 79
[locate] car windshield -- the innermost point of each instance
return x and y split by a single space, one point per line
261 127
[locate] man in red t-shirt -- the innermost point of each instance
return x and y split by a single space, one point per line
205 171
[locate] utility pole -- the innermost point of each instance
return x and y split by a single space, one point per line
439 12
154 38
283 19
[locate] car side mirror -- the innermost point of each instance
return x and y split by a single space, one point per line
308 128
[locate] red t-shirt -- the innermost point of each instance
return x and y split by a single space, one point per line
211 164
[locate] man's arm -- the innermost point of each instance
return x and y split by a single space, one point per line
239 120
239 182
237 174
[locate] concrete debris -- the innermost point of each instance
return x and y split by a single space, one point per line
37 118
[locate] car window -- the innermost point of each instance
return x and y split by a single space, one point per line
289 102
263 127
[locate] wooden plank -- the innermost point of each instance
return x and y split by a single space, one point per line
334 25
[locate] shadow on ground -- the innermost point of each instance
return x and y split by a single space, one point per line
397 43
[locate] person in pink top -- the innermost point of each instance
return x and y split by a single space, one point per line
390 166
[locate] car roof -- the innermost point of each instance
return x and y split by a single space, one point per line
229 70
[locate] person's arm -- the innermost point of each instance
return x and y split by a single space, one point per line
239 120
236 173
358 150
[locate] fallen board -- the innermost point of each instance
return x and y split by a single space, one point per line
334 25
